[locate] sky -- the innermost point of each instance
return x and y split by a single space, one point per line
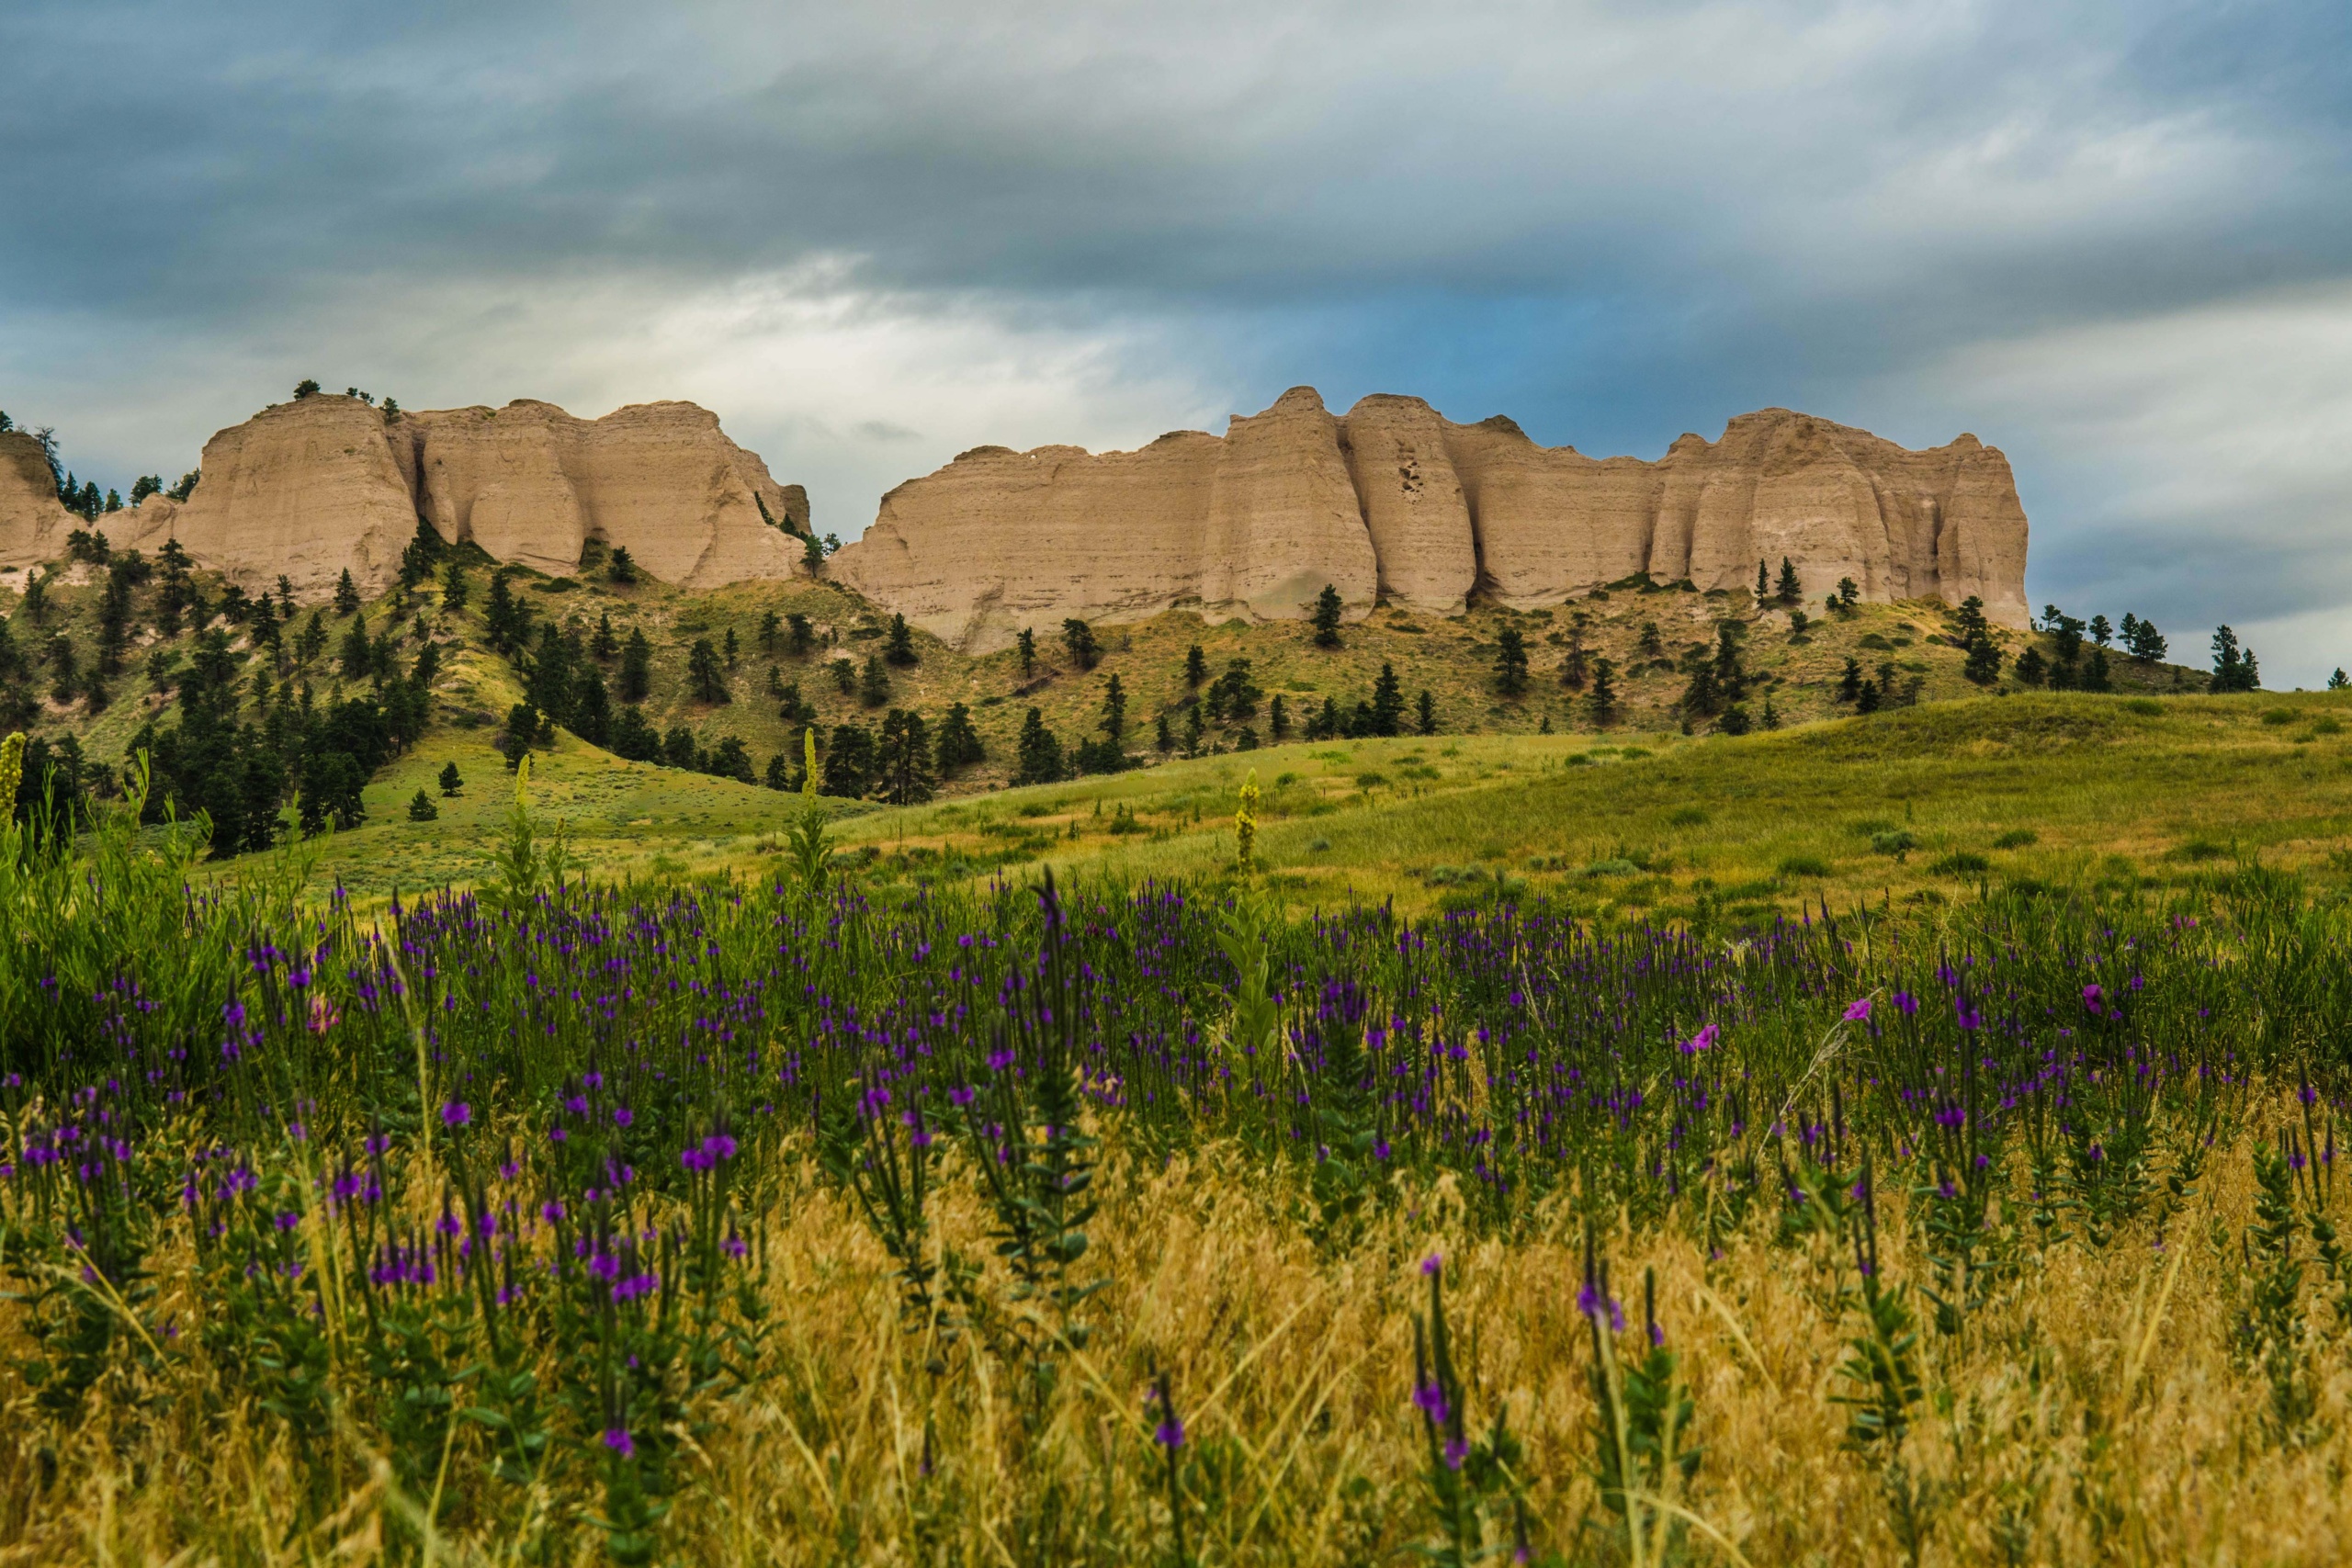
2112 239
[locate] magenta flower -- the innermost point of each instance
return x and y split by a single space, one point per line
1858 1010
1432 1263
457 1114
620 1442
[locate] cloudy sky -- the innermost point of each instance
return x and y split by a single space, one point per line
2113 237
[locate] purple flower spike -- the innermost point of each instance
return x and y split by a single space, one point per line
1858 1010
1432 1263
620 1443
457 1114
1169 1434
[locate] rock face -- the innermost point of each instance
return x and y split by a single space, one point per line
1393 500
312 489
33 525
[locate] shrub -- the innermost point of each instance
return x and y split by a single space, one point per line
1689 817
1803 866
2018 839
2279 715
1960 862
1897 842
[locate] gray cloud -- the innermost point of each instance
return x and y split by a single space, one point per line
1045 222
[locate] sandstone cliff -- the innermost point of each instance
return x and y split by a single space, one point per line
33 525
1395 500
325 484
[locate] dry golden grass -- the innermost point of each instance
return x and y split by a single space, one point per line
2092 1414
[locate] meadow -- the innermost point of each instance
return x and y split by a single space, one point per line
1908 1139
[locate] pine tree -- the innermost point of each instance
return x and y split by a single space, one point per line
1329 608
799 636
901 649
1114 710
1511 662
1603 697
1277 719
1196 667
2101 633
849 762
603 645
959 741
621 569
771 628
1849 684
1027 643
2337 682
1194 730
2146 643
1576 668
358 654
1983 664
1425 712
1849 594
1040 755
779 774
1763 582
2233 669
1790 591
453 586
347 594
1078 637
705 678
421 807
874 689
637 667
451 782
903 759
1161 740
734 651
1388 702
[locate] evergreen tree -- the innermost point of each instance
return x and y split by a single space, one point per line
1603 696
1789 591
1849 594
603 645
453 586
1849 684
2337 682
549 685
521 734
849 762
34 607
1027 645
1114 710
1039 754
1193 730
1576 668
959 744
844 674
1866 697
634 738
451 781
1277 719
421 556
1510 661
771 628
1325 725
637 667
799 636
305 388
2233 669
421 807
2101 633
1234 695
1652 642
1703 696
347 594
1163 741
1731 673
2095 673
730 759
1327 612
901 649
1078 637
734 652
1388 702
1425 712
621 569
903 759
705 678
779 774
592 707
359 657
2031 667
311 640
507 620
2146 644
1983 664
679 750
1763 582
874 688
1196 667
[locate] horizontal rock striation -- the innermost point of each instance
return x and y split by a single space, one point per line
312 489
1393 501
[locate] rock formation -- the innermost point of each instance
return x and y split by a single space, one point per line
1393 500
33 524
310 488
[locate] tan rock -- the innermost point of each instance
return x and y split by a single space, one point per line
327 484
1396 499
33 524
1413 506
1285 521
306 489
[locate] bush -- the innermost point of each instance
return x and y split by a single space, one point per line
1689 817
1896 842
1960 862
2279 715
2146 707
1803 866
2018 839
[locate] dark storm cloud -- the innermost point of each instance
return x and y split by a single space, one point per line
1614 221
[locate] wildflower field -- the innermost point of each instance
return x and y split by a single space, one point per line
810 1216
